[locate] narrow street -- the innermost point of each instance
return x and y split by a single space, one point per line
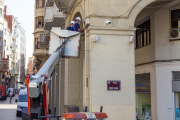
8 110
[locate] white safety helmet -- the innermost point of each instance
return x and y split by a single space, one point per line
78 18
72 22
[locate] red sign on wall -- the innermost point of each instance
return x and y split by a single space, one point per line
113 85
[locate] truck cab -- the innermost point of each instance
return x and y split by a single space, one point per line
21 101
3 92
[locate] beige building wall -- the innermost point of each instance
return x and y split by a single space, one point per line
111 58
74 83
165 50
162 97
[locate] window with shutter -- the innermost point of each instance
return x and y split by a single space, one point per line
40 4
143 35
41 37
176 75
39 22
175 18
36 43
143 82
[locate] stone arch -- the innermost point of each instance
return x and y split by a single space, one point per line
77 11
136 9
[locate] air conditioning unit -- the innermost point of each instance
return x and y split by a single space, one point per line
175 33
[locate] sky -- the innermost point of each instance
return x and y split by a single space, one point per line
24 11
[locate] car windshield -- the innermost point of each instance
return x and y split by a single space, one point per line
22 98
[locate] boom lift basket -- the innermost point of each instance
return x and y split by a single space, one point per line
72 44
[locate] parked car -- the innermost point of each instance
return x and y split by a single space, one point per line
21 101
12 90
3 92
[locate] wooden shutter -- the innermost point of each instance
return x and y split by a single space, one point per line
36 22
176 75
145 77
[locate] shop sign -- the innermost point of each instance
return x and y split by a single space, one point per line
12 74
143 87
140 86
113 85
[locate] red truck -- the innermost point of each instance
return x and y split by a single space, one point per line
3 92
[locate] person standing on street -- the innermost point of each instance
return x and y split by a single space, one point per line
71 27
76 25
10 94
137 115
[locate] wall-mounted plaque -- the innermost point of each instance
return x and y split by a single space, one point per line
113 85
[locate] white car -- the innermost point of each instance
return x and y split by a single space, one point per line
21 101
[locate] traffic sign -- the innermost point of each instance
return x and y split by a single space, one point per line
12 74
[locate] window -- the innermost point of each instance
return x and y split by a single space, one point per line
4 66
8 57
4 54
40 4
4 42
3 76
143 35
22 98
39 22
0 56
5 31
1 27
36 43
175 18
1 12
42 37
1 42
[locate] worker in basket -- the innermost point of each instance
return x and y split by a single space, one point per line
71 27
76 25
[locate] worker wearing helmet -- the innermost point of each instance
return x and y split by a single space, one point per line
71 27
76 25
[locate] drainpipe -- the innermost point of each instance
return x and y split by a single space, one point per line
85 61
86 58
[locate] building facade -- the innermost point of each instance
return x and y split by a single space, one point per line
4 37
138 47
40 46
30 65
17 47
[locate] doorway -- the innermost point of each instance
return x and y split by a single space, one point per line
177 105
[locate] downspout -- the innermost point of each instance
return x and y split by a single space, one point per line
86 58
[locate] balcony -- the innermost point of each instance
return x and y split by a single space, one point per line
65 5
14 37
1 1
53 17
13 47
5 65
13 61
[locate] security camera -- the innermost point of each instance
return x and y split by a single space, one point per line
108 22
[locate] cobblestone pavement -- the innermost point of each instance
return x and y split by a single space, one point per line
8 110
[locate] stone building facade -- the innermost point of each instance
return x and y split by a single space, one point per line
139 47
40 46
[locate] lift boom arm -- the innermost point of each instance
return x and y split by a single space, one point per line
68 42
